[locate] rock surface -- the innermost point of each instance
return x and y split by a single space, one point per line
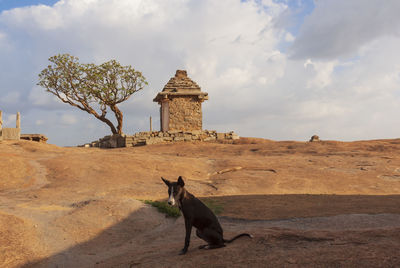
325 204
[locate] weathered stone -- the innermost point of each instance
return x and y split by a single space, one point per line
11 133
210 131
187 136
155 137
18 121
235 136
314 138
196 132
113 144
211 138
196 137
149 141
121 141
220 136
180 102
34 137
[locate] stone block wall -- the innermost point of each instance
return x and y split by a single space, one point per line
34 137
110 141
155 137
185 114
10 133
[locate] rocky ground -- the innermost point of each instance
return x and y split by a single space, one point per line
320 204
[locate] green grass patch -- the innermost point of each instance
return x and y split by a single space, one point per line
163 207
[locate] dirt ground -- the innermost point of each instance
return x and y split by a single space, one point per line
320 204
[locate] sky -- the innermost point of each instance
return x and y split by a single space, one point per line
281 70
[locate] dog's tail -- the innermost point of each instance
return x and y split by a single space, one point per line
236 237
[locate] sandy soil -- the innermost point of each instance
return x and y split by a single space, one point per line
321 204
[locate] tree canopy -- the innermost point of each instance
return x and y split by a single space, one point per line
92 88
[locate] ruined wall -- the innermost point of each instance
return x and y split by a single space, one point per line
34 137
185 113
10 133
154 137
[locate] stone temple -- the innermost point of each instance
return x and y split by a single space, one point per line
180 102
181 118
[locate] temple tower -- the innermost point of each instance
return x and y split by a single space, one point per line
180 102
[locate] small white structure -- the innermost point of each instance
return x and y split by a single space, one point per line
10 133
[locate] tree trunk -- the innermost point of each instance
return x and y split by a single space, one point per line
119 117
102 117
110 124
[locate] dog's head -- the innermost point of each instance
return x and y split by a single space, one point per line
175 190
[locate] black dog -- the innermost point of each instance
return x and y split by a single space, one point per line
198 215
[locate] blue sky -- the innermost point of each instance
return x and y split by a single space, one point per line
282 70
9 4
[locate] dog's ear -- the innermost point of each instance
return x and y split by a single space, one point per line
181 182
167 182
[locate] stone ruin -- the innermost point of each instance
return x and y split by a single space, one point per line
15 133
180 118
314 138
10 133
34 137
154 137
180 104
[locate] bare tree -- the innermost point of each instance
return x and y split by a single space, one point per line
92 88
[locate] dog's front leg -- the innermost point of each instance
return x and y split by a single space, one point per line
188 227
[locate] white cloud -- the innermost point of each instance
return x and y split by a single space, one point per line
339 28
40 98
348 89
323 73
40 16
289 37
225 45
317 109
9 120
11 97
68 119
